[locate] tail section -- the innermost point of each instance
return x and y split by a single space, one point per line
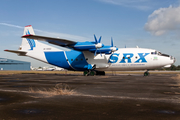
33 48
32 44
28 44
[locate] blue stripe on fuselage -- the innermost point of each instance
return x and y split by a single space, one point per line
57 59
76 60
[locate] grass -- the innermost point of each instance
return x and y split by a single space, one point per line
59 89
4 72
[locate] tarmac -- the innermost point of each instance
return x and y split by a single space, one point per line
77 97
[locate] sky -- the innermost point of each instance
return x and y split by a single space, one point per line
153 24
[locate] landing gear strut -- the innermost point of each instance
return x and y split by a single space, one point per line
92 72
146 73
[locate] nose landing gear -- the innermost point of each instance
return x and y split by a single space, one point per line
146 73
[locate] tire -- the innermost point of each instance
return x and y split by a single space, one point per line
92 73
85 73
146 73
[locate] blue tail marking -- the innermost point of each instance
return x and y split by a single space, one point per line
30 41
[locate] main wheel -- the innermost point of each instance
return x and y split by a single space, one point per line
92 73
85 73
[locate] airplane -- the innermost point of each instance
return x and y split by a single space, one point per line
94 58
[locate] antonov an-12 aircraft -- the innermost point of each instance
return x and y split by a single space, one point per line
94 58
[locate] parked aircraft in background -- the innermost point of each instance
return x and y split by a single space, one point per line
91 57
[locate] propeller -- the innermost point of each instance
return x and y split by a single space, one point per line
98 44
97 41
113 49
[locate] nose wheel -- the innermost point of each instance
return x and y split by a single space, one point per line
146 73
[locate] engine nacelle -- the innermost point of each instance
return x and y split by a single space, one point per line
105 49
87 46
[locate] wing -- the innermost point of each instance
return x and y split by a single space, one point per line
94 47
55 41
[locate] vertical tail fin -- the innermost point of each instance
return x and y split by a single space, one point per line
28 44
28 30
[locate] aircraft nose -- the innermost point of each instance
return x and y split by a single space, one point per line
173 58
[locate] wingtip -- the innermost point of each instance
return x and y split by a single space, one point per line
26 35
6 50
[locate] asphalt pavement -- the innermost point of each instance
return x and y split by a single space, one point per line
76 97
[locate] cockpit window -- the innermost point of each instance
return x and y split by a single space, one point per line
165 55
156 53
152 53
159 53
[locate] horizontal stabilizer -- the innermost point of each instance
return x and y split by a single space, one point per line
55 41
20 53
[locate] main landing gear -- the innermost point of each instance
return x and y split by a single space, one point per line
146 73
92 73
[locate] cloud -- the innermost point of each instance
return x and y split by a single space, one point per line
138 4
163 20
10 25
53 34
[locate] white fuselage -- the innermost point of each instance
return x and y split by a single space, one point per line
130 59
121 60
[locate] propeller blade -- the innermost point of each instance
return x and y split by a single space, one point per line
95 53
111 42
100 53
95 38
99 40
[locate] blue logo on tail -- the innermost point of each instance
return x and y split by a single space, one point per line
30 41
